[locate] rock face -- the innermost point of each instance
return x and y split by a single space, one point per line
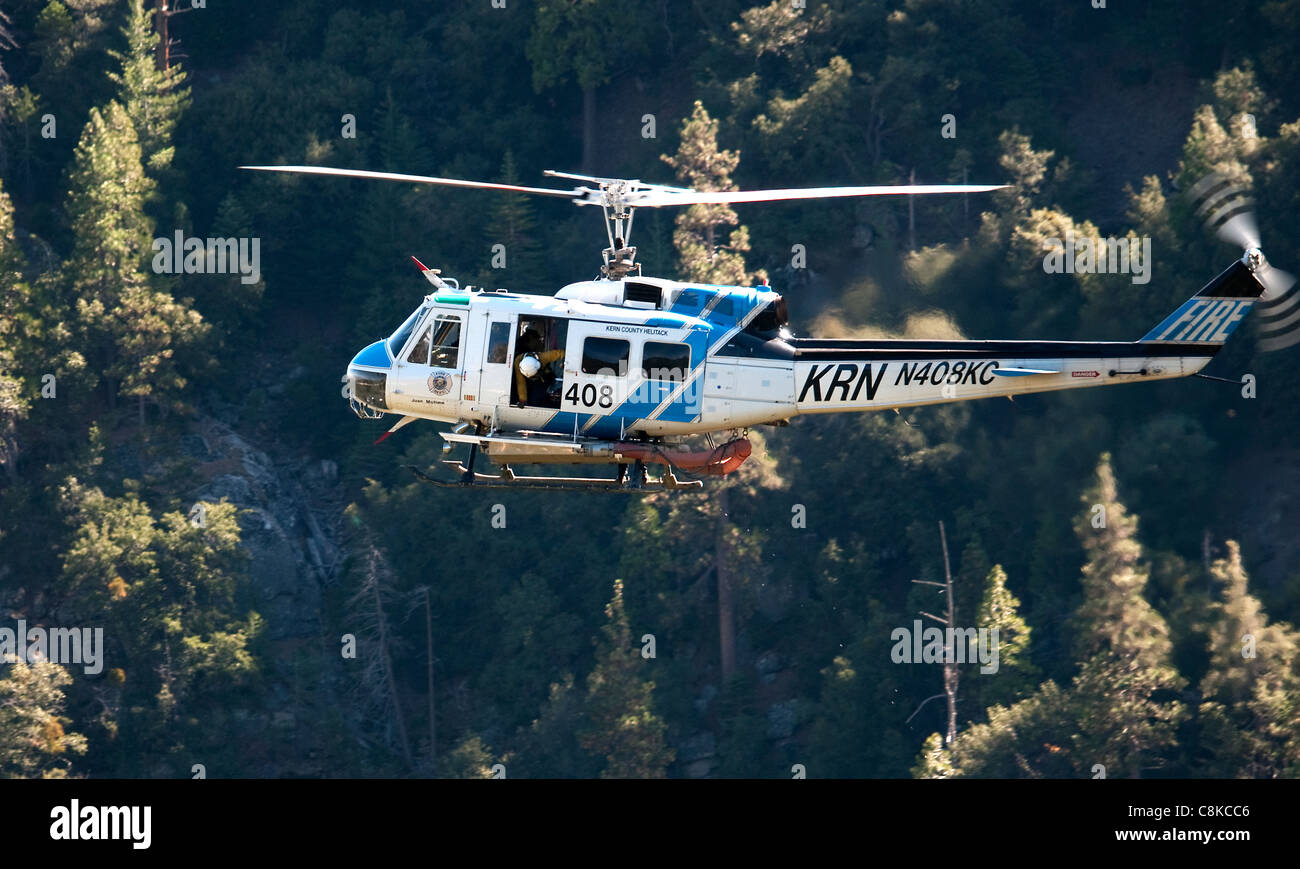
288 515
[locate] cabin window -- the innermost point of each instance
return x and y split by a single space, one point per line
605 356
688 300
499 344
665 361
446 342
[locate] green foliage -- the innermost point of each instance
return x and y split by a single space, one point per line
1121 704
127 327
14 318
1147 678
623 727
165 591
33 740
153 98
702 255
1250 714
513 225
1000 609
578 39
470 758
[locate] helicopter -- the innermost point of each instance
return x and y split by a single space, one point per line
621 370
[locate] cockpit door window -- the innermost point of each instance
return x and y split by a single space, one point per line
439 343
446 342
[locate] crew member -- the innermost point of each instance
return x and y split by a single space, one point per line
530 387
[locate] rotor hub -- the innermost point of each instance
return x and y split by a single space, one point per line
1253 258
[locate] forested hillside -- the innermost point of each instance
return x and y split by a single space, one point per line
280 596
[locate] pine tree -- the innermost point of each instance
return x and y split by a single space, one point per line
999 610
549 747
935 761
623 727
1030 739
1120 712
513 225
153 98
1250 714
112 232
580 40
18 106
129 329
1126 682
166 592
1027 168
469 758
70 39
702 166
381 271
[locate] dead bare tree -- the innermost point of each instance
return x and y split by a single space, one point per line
378 697
950 674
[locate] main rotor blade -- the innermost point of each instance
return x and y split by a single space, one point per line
416 179
657 198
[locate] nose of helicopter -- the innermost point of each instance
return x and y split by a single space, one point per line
367 378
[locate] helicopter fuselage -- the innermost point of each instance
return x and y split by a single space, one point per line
648 358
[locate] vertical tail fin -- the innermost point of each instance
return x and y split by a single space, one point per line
1211 315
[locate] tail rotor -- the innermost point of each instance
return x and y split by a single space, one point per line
1226 205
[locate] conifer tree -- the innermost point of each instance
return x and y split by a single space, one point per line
623 727
514 226
582 41
1250 714
166 592
703 255
999 610
153 98
1120 712
1126 683
128 328
382 272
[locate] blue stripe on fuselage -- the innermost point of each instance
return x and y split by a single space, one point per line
687 406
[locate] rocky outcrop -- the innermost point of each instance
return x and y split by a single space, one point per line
288 515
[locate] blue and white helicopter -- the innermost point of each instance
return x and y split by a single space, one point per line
620 370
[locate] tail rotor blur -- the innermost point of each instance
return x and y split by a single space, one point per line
1227 207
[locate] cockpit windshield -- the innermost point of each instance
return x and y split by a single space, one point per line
404 332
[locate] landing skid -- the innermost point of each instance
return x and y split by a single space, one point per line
508 480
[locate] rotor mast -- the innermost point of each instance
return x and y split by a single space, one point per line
613 195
